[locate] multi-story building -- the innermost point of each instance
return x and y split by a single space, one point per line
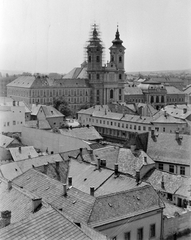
3 84
154 93
120 126
90 84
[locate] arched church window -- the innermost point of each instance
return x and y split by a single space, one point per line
157 99
89 59
97 58
152 99
162 99
89 76
111 93
120 77
120 58
112 58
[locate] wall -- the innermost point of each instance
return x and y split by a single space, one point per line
4 154
55 142
171 128
176 168
12 118
176 224
144 221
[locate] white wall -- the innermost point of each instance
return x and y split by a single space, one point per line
145 222
12 118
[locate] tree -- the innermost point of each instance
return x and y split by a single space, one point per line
62 106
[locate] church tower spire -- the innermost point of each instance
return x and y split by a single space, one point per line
117 51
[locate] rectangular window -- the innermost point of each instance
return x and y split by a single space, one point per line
127 236
7 123
126 125
140 234
118 124
100 121
182 170
152 231
171 168
107 122
122 125
103 121
114 123
161 166
111 123
14 122
135 127
130 126
164 129
139 128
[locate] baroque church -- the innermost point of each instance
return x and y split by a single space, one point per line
92 83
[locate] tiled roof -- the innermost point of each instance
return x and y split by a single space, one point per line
77 204
50 111
51 224
16 200
173 90
177 112
5 141
22 81
84 133
165 148
77 73
109 153
168 119
172 182
24 153
84 175
71 83
117 184
130 163
14 169
35 108
132 91
115 207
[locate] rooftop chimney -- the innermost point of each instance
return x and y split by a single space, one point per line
184 110
69 181
92 191
133 147
152 133
98 163
65 189
162 182
36 202
9 185
137 176
177 135
45 168
57 165
20 149
5 218
145 159
103 162
116 170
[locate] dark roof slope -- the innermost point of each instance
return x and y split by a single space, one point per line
115 207
49 225
165 148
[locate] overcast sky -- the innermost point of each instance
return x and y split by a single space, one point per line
49 35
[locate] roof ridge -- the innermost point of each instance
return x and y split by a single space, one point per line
125 191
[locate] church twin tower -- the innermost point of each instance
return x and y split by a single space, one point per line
107 82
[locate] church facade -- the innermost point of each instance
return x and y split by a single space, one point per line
92 83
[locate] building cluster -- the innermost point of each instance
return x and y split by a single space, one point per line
120 171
